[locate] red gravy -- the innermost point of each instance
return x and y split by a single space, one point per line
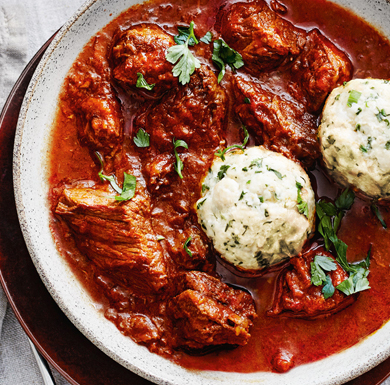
307 340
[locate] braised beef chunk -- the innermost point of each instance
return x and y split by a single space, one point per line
117 237
296 296
94 104
279 124
207 313
320 68
193 113
261 36
103 126
142 49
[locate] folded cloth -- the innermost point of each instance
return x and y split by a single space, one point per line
24 28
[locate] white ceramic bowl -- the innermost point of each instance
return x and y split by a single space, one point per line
31 191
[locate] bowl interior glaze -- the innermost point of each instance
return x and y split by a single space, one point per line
31 191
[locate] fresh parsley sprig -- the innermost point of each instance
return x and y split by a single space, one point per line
142 83
181 54
142 139
221 153
127 192
223 55
319 266
179 163
330 216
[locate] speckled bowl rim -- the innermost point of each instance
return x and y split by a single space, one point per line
355 360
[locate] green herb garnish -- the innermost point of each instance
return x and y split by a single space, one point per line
353 97
223 55
207 38
375 210
330 218
142 139
276 172
179 164
222 171
381 115
221 153
188 63
128 190
301 204
242 195
129 183
142 83
186 244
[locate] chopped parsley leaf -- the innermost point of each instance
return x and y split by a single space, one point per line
302 205
179 164
381 115
375 210
387 145
181 54
223 55
201 203
127 191
229 224
142 139
186 244
221 153
353 97
207 38
242 195
276 172
328 289
247 101
222 171
142 83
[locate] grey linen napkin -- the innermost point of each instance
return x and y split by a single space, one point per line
25 25
24 28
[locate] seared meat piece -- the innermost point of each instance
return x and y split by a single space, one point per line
280 125
94 105
296 296
103 125
194 113
208 312
142 49
117 237
320 68
261 36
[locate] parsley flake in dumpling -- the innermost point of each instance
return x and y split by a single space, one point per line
257 207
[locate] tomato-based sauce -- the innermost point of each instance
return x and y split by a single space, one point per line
307 340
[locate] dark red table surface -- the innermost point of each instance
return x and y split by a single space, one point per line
58 340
